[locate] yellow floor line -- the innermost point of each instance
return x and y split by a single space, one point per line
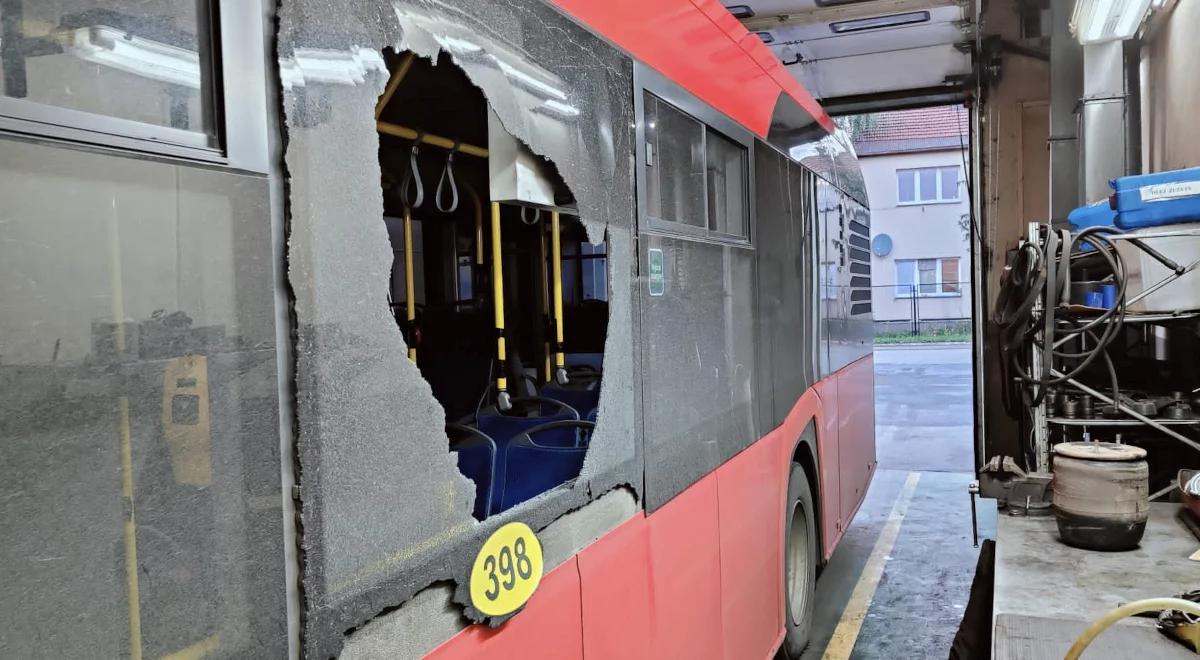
846 633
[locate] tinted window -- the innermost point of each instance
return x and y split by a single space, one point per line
727 186
674 164
144 61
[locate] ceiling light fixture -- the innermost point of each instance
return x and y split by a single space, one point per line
879 22
740 11
1096 21
766 37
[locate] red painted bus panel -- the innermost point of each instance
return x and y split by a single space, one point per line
828 461
614 573
702 576
856 433
550 626
750 490
698 47
685 574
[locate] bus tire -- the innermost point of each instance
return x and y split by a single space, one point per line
799 563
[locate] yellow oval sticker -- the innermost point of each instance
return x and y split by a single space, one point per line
507 570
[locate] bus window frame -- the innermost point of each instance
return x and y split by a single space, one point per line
234 32
647 80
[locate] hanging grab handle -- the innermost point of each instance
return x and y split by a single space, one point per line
413 176
447 173
537 215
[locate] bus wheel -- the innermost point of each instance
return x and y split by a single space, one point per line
800 563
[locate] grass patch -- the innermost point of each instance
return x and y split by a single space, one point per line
931 337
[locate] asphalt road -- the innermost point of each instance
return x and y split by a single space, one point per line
904 567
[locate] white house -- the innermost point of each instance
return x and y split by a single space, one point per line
913 162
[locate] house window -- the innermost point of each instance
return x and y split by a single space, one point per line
927 185
928 277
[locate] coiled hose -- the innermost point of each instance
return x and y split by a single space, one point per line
1128 609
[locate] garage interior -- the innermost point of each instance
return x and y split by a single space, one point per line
1064 98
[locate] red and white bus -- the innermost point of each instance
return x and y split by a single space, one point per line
598 384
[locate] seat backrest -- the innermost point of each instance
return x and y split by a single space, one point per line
579 398
477 461
536 462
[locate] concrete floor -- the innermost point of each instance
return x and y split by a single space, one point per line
923 425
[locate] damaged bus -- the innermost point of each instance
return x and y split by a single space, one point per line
395 328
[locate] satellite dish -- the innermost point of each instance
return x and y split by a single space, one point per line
881 245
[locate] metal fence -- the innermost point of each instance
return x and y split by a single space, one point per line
925 312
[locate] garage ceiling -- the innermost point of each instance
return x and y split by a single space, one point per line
902 51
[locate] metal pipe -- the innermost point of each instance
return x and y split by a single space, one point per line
1128 411
503 400
404 132
1163 282
410 296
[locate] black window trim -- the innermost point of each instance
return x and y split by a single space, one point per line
647 80
236 99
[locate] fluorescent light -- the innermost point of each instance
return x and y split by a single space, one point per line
878 22
142 57
766 37
1095 21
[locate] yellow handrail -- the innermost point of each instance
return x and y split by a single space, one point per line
409 285
404 132
556 255
503 400
393 82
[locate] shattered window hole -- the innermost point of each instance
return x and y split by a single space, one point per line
520 396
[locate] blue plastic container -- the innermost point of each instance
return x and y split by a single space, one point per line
1163 198
1099 214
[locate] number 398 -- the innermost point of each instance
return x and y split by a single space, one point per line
507 570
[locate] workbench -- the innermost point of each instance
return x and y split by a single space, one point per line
1047 593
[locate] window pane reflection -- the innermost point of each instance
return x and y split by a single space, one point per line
675 164
144 60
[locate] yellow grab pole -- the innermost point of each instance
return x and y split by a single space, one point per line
556 258
547 372
409 285
503 401
393 83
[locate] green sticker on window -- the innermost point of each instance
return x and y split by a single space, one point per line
658 277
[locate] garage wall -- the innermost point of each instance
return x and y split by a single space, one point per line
1172 89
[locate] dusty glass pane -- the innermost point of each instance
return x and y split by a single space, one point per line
698 363
675 164
386 510
143 60
728 210
139 439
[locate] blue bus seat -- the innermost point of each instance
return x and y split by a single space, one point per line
477 461
593 360
503 428
581 396
538 461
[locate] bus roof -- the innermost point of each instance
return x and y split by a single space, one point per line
700 46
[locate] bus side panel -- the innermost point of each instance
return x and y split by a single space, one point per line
856 434
550 626
829 464
685 573
751 520
616 580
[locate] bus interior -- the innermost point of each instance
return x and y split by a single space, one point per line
504 306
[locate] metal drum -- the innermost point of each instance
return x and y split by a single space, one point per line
1101 494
